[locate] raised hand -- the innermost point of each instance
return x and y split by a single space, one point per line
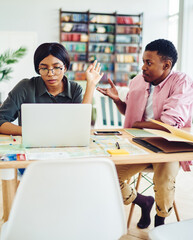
93 75
110 92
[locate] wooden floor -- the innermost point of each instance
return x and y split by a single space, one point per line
184 202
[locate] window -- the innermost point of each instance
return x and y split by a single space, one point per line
173 22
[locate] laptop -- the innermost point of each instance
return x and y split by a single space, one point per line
55 125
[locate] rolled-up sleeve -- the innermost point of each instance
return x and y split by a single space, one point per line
9 110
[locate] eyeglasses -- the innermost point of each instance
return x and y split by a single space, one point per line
54 70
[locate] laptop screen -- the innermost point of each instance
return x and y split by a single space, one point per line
55 125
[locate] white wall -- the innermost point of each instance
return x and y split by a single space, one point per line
43 16
41 19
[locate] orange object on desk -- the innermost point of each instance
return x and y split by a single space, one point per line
117 152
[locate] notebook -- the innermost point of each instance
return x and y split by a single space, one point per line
55 125
158 144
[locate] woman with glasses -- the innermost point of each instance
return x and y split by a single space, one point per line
51 61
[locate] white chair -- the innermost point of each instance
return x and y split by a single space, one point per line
173 231
68 199
108 115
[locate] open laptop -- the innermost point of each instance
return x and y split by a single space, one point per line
55 125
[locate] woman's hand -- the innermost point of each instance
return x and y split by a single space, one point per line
110 92
93 75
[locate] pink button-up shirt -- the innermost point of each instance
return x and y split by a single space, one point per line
172 101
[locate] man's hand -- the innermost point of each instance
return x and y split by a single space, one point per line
110 92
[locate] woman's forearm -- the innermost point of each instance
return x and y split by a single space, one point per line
10 129
88 95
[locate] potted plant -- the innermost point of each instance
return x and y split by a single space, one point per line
7 58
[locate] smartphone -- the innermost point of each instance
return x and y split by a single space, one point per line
107 133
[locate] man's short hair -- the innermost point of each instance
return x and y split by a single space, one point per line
164 48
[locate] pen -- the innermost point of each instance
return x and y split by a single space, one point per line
13 139
117 145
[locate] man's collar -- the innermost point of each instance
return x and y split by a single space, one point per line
163 82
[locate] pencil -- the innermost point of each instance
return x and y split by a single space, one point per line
117 145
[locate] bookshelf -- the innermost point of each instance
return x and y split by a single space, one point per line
113 39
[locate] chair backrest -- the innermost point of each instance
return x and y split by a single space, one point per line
108 115
173 231
67 199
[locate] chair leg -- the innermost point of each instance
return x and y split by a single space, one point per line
176 212
132 204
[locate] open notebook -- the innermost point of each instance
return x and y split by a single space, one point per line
174 140
55 125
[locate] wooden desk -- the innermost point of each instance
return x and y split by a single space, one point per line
9 186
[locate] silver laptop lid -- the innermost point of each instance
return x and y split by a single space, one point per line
55 125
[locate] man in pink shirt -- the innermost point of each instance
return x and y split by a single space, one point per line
164 95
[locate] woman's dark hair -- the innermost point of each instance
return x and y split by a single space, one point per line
165 49
55 49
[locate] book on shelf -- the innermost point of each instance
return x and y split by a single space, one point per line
74 37
110 38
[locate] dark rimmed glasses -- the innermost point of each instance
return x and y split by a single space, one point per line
54 70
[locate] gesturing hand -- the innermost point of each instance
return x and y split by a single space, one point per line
110 92
93 75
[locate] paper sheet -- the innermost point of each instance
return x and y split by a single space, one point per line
10 140
98 147
108 142
168 136
136 132
175 133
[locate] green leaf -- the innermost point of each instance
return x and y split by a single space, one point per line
7 58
